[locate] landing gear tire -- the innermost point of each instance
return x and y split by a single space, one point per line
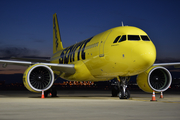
46 93
115 91
122 96
52 90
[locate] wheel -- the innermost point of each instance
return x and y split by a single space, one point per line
46 93
115 91
54 91
122 96
127 94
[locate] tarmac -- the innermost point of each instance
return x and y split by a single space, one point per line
88 105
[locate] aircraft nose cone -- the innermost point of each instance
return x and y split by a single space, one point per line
144 55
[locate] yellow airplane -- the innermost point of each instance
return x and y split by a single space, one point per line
118 53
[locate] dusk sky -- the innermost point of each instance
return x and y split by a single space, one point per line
26 25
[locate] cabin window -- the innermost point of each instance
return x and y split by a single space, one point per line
115 41
133 37
123 38
145 38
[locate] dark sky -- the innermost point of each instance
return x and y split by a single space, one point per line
26 25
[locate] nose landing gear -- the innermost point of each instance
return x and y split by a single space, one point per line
120 88
124 95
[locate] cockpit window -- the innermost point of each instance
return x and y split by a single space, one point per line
123 38
115 41
145 38
133 37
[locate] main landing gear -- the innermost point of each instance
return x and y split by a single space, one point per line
120 88
52 90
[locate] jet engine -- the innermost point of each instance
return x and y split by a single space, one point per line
156 78
38 77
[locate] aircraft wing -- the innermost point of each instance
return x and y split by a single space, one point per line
32 59
67 68
175 64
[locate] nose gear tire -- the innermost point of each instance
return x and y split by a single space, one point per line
122 96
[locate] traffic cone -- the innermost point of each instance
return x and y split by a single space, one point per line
42 96
50 94
161 96
153 97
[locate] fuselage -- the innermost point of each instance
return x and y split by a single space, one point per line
120 51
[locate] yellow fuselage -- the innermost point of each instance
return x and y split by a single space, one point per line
101 58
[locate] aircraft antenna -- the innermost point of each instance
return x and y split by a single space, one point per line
122 23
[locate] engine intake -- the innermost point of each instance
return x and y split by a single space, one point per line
38 77
156 78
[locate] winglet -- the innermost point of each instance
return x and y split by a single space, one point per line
57 43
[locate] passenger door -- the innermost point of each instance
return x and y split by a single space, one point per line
102 43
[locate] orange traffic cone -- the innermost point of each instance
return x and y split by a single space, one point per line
50 94
153 97
42 96
161 96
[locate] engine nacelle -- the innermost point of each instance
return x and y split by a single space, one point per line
38 77
156 78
